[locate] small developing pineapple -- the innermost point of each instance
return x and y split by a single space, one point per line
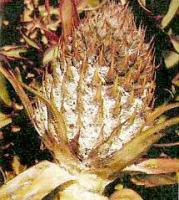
102 87
102 84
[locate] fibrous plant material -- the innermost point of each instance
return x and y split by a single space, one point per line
94 109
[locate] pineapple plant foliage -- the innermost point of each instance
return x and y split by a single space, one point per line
94 109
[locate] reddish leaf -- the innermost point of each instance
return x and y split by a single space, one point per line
74 144
69 16
2 2
52 37
157 17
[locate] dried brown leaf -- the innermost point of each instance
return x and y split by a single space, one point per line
154 180
156 166
69 16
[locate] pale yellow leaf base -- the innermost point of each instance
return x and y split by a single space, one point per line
39 180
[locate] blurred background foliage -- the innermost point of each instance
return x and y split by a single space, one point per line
20 146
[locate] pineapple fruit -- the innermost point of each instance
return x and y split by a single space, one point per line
94 109
102 85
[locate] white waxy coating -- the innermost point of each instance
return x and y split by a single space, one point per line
90 130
